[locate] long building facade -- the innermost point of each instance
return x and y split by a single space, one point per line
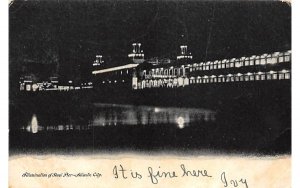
275 66
142 74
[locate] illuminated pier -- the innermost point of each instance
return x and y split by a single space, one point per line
183 72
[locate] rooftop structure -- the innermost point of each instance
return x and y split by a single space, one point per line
184 54
137 54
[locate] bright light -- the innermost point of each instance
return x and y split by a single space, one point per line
180 122
128 66
184 56
157 109
33 126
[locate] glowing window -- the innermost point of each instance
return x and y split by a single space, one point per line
247 63
257 77
271 60
238 63
223 64
280 59
287 75
227 64
287 58
252 62
216 65
231 63
219 65
280 76
263 61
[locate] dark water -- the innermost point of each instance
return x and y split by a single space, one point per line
105 115
146 128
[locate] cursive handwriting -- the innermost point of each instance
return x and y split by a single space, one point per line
195 173
233 182
121 172
155 175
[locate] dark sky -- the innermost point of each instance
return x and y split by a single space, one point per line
66 35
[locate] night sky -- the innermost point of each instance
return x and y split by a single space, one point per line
63 37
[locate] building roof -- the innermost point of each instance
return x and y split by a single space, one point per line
128 66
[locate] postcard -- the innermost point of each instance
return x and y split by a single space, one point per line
149 93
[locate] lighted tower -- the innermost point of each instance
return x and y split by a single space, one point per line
184 54
137 54
98 61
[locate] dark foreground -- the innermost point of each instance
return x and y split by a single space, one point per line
248 120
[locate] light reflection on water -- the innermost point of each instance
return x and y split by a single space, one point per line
180 121
116 115
33 125
108 114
